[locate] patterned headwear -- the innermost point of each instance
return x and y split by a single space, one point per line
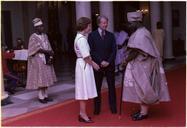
37 22
134 16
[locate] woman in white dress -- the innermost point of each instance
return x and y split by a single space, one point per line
85 87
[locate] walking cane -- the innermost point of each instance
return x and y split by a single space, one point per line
122 80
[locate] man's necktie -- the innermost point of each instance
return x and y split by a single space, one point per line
102 34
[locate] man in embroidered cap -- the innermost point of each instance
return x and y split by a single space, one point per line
37 22
134 16
40 73
144 78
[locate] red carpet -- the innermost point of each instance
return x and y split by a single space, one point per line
171 114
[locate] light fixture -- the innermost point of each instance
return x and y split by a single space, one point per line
143 11
96 14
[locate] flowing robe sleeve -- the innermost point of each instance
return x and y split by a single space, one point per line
34 46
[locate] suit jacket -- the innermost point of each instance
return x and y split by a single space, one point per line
102 49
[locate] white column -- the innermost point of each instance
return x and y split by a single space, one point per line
167 24
155 14
83 9
106 9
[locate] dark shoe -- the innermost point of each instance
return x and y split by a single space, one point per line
48 99
114 111
139 117
83 120
6 101
43 101
11 92
135 114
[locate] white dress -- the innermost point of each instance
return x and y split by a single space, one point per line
85 87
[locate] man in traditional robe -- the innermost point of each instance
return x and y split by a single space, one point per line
144 78
40 73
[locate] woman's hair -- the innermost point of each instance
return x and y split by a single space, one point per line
82 23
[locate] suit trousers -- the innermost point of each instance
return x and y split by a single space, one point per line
109 72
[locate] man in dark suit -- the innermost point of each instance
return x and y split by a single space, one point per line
103 51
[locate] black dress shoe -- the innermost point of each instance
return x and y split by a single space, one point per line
83 120
48 99
135 114
114 112
139 117
43 101
11 92
6 101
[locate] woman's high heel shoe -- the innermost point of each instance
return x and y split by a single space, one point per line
140 117
83 120
135 114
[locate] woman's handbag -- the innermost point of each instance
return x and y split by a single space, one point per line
49 59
